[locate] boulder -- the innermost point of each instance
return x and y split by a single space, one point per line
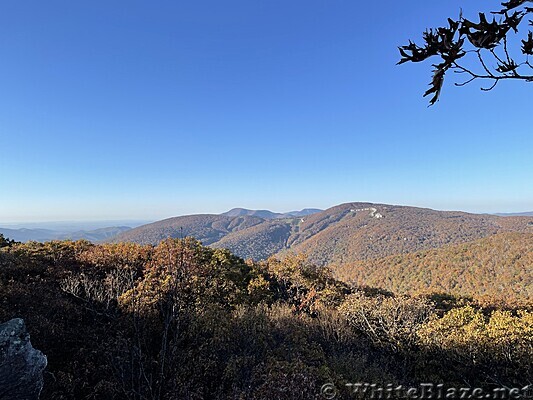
21 366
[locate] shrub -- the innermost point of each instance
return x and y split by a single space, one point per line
387 320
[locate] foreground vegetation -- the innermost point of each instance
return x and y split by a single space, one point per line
183 321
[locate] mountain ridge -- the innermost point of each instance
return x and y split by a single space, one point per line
344 233
267 214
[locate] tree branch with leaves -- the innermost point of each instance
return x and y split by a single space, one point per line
489 43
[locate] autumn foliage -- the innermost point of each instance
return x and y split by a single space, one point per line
183 321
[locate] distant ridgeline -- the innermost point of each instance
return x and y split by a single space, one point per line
342 234
43 235
397 248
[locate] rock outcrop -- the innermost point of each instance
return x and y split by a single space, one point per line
21 366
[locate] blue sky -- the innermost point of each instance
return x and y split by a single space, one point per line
145 110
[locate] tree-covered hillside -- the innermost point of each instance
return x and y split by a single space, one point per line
182 321
499 266
341 234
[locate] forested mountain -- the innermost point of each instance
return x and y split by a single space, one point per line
241 212
260 241
208 228
499 266
266 214
341 234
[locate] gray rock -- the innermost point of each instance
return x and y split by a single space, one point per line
21 366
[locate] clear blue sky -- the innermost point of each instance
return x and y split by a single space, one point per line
142 109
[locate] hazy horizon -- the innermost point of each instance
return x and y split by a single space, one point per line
132 222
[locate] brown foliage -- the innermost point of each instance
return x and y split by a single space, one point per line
183 321
497 268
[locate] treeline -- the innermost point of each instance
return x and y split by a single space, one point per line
183 321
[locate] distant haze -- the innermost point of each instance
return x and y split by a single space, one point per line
95 231
525 214
72 226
